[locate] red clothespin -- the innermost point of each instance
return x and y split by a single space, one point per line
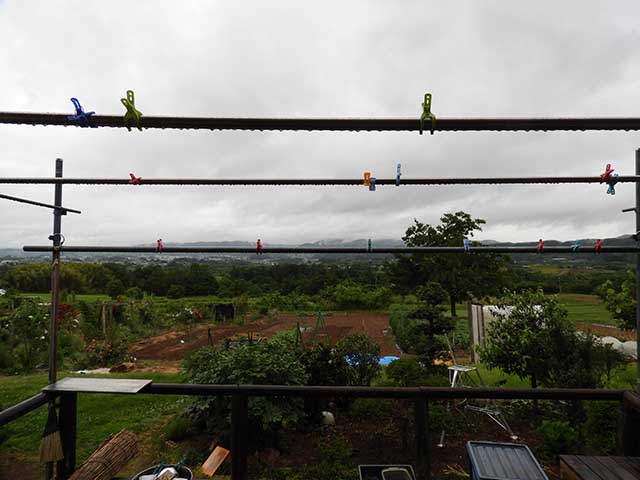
606 175
135 180
258 247
597 247
159 245
540 246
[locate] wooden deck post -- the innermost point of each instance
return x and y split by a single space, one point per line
423 454
239 436
68 432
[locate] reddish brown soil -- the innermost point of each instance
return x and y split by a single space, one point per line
174 345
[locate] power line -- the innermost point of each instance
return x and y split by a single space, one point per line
334 124
318 181
332 250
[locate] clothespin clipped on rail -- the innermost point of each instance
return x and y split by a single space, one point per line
80 115
597 247
576 246
613 179
258 247
466 244
398 175
135 180
604 176
369 181
369 246
426 113
159 246
540 246
132 113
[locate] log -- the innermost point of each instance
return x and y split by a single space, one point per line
114 453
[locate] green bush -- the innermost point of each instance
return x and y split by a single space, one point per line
176 291
558 437
373 408
275 362
601 426
178 428
407 372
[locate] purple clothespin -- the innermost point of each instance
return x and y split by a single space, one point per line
80 116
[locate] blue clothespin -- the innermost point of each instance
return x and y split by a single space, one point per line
372 184
576 246
398 174
613 179
466 244
80 116
369 246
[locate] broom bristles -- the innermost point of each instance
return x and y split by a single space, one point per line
51 448
51 445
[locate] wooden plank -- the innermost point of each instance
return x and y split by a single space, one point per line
606 468
576 469
616 464
97 385
211 464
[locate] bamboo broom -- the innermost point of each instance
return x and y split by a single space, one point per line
51 444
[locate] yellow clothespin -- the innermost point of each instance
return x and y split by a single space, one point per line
426 113
132 114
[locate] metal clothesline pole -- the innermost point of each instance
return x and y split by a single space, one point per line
332 124
317 181
39 204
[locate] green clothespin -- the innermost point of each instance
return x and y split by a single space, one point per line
132 114
369 246
426 113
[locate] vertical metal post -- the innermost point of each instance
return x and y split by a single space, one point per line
55 276
68 434
239 436
423 455
55 292
637 274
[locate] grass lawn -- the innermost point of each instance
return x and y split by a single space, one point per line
99 415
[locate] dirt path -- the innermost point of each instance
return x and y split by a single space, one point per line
173 346
607 331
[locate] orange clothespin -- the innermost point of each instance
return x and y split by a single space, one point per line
367 179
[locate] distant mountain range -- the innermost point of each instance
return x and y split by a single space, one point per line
11 255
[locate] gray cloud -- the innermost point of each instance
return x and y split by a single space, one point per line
289 58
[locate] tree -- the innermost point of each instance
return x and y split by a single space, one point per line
362 355
114 288
621 303
532 338
462 276
176 291
430 323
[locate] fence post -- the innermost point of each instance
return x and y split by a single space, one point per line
423 454
239 436
68 433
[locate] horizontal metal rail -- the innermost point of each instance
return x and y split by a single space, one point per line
334 124
19 409
385 392
315 181
329 250
64 210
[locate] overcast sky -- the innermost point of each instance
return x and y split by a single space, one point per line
317 59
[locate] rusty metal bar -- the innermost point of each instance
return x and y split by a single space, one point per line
385 392
332 250
63 210
315 181
334 124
